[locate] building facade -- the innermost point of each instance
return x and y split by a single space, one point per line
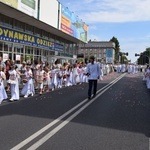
103 51
29 31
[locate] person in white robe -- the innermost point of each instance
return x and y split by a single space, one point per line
101 70
35 67
69 78
28 88
148 78
46 79
123 68
59 78
136 68
79 70
129 68
85 77
14 87
3 94
67 83
118 68
76 78
40 76
133 69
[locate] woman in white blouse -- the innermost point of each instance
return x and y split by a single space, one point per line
3 94
13 80
28 89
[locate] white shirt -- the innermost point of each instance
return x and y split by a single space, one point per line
93 70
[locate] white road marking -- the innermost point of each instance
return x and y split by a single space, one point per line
149 143
64 123
36 134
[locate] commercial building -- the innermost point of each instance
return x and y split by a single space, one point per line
103 51
44 30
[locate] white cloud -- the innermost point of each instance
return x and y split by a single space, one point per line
93 37
132 46
93 27
111 11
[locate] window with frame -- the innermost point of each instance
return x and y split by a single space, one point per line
7 21
2 19
18 25
37 32
1 46
45 34
29 29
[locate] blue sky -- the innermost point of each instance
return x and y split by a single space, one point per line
128 21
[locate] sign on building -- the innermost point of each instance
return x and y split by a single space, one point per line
109 55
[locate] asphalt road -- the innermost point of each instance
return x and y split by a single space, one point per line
117 119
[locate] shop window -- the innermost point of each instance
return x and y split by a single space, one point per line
18 25
51 37
29 50
7 47
45 52
37 32
1 46
7 21
37 51
2 19
18 48
45 35
52 53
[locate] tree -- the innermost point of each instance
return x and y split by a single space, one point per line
124 59
143 59
117 47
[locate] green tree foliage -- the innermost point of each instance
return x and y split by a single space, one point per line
143 59
123 59
117 47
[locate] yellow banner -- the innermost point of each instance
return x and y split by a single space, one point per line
12 3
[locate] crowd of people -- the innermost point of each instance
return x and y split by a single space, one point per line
43 77
146 76
36 76
130 68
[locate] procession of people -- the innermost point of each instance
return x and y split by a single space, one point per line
43 77
38 76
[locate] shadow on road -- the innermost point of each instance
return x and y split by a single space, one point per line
125 106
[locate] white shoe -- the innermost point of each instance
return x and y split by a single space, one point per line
32 94
25 96
11 100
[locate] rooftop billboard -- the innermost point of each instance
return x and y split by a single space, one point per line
27 6
72 25
49 12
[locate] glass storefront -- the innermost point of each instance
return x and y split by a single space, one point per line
22 42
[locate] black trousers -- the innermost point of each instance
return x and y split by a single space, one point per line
92 85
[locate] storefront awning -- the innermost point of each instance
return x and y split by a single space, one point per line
18 15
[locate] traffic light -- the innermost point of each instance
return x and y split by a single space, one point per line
141 54
121 53
137 54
